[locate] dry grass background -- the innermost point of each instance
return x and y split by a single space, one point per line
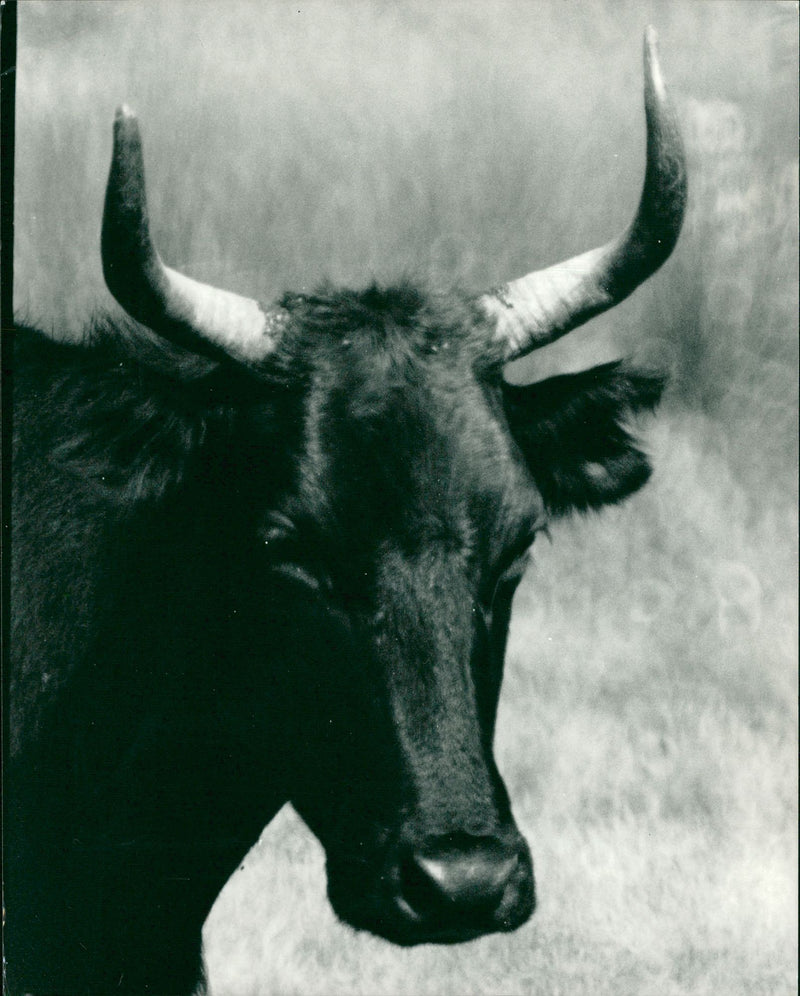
648 728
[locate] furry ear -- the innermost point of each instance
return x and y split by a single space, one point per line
571 430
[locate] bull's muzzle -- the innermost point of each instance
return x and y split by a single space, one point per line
446 888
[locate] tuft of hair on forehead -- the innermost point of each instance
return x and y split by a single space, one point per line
405 316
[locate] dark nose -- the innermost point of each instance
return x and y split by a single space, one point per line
458 884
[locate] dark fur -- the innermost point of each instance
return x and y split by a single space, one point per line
233 588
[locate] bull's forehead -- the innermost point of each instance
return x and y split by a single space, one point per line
410 441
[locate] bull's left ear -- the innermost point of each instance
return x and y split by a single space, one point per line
572 432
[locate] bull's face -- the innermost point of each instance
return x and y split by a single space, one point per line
400 509
393 560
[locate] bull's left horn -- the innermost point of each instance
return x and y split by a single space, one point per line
202 318
540 307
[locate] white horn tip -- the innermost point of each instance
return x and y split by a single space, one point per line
652 65
124 113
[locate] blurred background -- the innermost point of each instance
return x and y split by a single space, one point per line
648 726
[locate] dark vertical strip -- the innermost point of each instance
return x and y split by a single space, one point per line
8 79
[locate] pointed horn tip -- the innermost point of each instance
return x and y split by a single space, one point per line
126 123
652 65
123 113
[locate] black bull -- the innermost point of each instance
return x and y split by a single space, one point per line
268 554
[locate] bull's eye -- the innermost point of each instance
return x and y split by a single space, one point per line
514 558
280 547
515 569
508 578
281 544
509 567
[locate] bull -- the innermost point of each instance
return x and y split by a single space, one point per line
268 554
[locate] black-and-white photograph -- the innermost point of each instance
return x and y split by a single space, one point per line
400 498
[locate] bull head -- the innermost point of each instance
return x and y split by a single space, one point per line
394 528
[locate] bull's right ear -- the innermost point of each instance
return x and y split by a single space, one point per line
572 433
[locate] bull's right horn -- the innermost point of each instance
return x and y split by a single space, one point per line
203 318
538 308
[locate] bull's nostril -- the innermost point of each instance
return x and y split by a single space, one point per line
468 880
472 879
